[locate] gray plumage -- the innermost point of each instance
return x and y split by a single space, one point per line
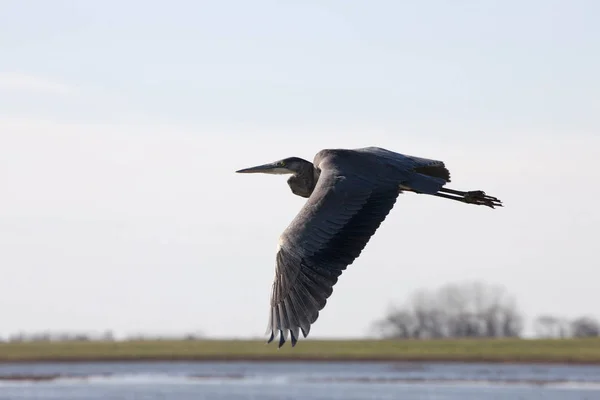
350 193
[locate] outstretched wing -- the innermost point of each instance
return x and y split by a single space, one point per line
331 230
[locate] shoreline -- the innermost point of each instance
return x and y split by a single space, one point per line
504 381
295 359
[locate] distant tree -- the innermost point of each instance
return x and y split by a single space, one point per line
552 327
193 335
585 327
455 310
48 336
399 324
428 318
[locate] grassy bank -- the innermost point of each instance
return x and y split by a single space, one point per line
468 350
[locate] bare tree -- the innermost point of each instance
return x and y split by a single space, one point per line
398 324
475 309
552 327
429 318
585 327
471 309
513 322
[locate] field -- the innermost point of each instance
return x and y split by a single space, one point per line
465 350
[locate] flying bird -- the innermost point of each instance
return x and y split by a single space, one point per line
350 192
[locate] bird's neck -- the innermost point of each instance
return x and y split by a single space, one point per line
303 182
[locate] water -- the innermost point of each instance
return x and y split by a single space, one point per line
297 380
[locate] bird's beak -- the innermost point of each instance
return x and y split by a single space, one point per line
265 169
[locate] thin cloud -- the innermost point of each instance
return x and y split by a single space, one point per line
20 81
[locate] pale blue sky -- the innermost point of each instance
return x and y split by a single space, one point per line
122 123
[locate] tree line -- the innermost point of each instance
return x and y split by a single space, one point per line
107 336
456 310
473 310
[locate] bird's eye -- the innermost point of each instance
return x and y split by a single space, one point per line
282 163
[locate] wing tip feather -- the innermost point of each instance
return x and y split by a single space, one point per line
282 335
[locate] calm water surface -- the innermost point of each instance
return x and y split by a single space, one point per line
311 381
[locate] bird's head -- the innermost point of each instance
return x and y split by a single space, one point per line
290 165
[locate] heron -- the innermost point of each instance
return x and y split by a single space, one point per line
349 194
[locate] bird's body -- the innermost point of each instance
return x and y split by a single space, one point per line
349 194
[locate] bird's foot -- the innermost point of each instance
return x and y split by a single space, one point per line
480 198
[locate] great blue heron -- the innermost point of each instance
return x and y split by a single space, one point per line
350 193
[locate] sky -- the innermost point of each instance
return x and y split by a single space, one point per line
122 123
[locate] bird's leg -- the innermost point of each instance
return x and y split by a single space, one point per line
452 191
472 197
